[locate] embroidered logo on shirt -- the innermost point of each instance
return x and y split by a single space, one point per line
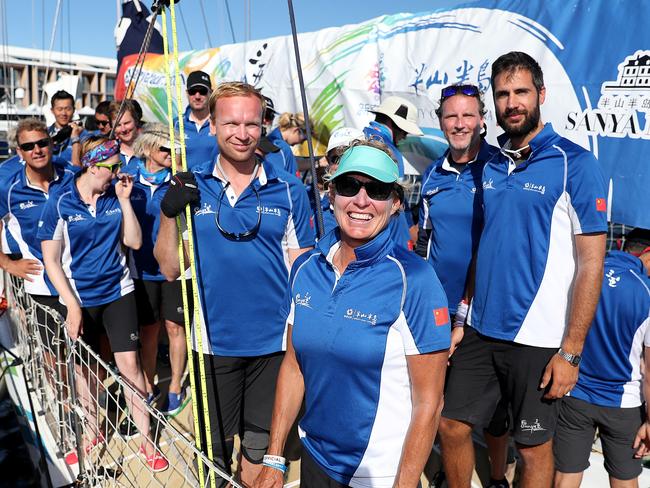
352 314
27 204
113 211
541 189
206 209
441 316
268 210
76 218
612 280
488 185
434 191
601 205
304 300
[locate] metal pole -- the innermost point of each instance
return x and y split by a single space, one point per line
305 111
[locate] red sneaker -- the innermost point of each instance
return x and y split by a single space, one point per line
72 458
156 461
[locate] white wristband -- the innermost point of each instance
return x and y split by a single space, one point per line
268 458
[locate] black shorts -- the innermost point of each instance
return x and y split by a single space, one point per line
50 332
241 392
483 371
160 300
118 319
575 435
313 476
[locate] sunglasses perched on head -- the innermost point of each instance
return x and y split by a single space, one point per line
29 146
111 167
201 90
451 90
348 186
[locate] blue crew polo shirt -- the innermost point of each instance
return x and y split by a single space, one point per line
526 260
375 130
284 158
451 210
21 205
611 370
352 333
242 283
199 142
91 255
145 200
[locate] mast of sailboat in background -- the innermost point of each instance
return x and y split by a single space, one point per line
305 111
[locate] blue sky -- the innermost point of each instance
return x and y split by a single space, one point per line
86 26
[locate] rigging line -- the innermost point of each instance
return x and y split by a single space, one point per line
5 55
69 36
137 68
305 111
232 29
57 12
181 255
205 22
187 32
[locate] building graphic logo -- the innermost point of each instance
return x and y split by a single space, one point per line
623 108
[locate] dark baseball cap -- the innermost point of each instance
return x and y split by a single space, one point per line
270 106
199 78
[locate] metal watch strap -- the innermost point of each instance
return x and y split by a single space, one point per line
573 359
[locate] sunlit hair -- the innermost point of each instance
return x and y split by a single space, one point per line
130 106
28 125
288 120
151 138
234 89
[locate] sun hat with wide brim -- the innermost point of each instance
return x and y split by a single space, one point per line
402 112
368 161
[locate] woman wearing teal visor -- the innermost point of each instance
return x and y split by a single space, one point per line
367 338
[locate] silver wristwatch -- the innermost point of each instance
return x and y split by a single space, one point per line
573 359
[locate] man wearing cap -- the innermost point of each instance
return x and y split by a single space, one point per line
272 153
394 119
250 222
612 384
539 266
200 144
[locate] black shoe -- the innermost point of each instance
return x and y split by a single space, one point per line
498 483
437 480
127 428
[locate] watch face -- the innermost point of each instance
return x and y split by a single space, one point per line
576 360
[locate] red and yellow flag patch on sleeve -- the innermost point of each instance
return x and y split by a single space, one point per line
441 316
